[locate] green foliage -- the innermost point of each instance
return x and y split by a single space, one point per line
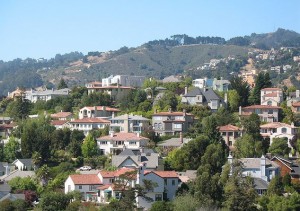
243 90
168 100
186 202
54 201
234 100
161 205
23 184
247 147
62 84
275 186
19 109
251 126
279 147
262 81
11 150
89 147
209 126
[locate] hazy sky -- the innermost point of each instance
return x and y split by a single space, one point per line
35 28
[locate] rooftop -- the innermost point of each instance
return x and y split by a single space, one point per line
86 179
122 137
91 120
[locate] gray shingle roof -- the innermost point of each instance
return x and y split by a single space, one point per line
194 92
260 184
130 117
211 95
173 142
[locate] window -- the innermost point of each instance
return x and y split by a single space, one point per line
270 111
173 182
230 134
157 118
103 142
91 187
158 197
269 103
283 130
223 133
132 142
230 143
69 188
177 126
111 180
80 187
165 181
258 111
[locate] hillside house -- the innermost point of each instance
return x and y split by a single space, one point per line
271 96
45 95
88 124
115 143
62 116
124 80
116 93
266 113
230 134
129 123
103 112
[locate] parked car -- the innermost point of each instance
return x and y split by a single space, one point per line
85 168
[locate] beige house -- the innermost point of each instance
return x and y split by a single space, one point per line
88 124
271 96
103 112
129 123
266 113
230 134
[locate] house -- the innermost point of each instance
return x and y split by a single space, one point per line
94 84
216 84
188 175
204 97
88 124
103 112
103 186
171 123
6 130
24 164
295 107
131 158
266 113
115 143
129 123
288 166
60 124
17 93
262 168
172 143
124 80
230 134
116 93
271 96
45 95
293 98
171 79
278 130
62 115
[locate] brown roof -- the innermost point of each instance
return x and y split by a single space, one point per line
104 187
276 125
122 137
273 94
229 128
296 104
58 122
61 115
164 174
261 107
100 108
86 179
172 114
91 120
271 89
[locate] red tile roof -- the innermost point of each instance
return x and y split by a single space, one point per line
164 174
100 108
276 125
104 187
296 104
122 137
271 89
86 179
61 115
91 120
58 122
273 94
172 114
262 107
229 128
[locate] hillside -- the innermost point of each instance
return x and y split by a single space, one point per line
158 58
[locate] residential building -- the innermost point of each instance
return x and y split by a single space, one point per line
266 113
60 124
17 93
293 97
101 187
45 95
94 84
116 93
230 134
216 84
288 166
123 80
295 107
115 143
279 130
88 124
131 158
271 96
62 116
171 79
129 123
24 164
203 97
171 144
103 112
171 123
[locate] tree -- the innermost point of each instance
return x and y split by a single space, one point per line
161 205
89 147
53 201
186 202
19 109
11 149
279 147
251 126
242 88
247 147
23 184
62 84
7 205
210 129
43 174
275 186
234 100
262 81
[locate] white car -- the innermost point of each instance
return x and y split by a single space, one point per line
85 168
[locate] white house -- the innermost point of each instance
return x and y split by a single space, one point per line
24 164
278 130
117 142
271 96
124 80
129 123
45 95
88 124
103 112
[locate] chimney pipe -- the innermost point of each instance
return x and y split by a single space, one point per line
185 90
181 137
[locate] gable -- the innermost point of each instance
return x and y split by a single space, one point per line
128 162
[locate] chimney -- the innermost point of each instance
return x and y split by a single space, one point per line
240 110
263 168
185 90
104 108
138 135
170 110
112 134
229 160
181 137
297 93
95 111
225 98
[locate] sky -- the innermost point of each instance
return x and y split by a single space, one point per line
42 29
